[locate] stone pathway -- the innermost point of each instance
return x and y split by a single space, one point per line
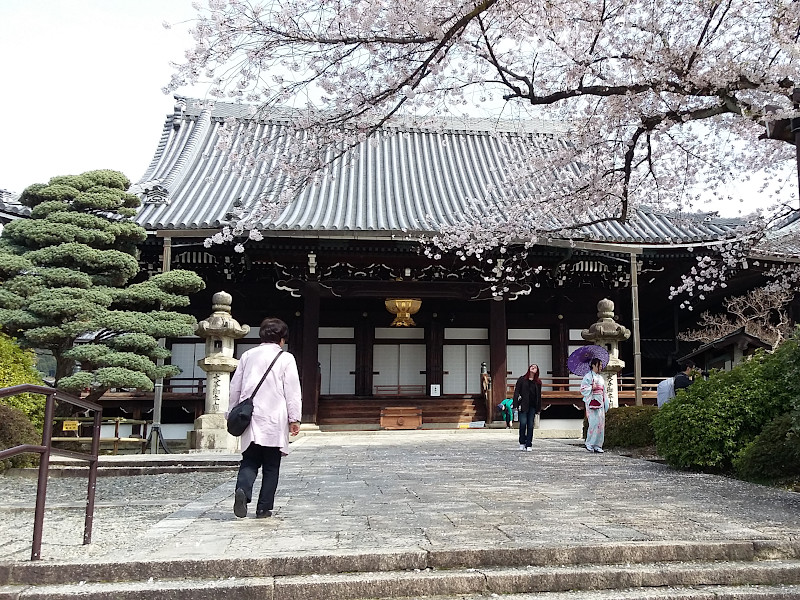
398 491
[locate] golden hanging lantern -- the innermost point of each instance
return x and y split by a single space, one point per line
403 308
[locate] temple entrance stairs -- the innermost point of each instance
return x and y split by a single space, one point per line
354 412
734 570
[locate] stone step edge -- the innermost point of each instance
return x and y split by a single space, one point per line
433 583
123 471
381 560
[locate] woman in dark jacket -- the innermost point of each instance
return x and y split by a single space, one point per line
528 401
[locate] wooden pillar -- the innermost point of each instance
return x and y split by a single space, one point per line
309 364
560 339
498 364
637 350
365 340
434 366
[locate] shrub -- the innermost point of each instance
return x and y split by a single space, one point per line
774 454
17 367
15 430
630 426
709 423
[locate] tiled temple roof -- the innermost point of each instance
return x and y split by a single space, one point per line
416 180
781 241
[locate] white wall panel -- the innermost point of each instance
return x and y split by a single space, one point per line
336 332
412 361
475 356
399 333
337 363
529 334
462 366
542 356
243 347
466 333
324 358
570 350
399 364
385 364
516 361
186 356
521 357
455 365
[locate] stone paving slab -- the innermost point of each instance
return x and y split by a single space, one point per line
398 491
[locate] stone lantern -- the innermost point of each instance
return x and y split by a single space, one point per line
606 332
219 330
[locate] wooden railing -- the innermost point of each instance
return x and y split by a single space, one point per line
46 449
400 390
139 439
185 385
566 390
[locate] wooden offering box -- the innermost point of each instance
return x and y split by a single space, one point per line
401 417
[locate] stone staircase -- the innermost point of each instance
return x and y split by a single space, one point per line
343 412
733 570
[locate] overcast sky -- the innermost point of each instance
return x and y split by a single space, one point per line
81 87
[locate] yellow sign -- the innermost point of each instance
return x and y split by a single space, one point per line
69 426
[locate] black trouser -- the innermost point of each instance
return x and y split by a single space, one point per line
507 417
269 460
526 418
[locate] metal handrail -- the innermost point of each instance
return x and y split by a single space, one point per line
46 449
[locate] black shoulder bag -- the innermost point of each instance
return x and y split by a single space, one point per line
240 415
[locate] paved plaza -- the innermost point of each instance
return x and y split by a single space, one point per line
395 491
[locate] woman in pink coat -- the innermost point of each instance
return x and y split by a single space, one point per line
276 413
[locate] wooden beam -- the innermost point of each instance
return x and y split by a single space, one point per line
309 367
498 363
637 346
434 367
365 340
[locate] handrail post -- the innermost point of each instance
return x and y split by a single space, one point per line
44 467
45 450
92 485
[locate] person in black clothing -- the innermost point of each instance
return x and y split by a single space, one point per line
683 379
528 401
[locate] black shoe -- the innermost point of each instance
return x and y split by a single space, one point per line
263 514
240 504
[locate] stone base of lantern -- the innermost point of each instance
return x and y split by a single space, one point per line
211 435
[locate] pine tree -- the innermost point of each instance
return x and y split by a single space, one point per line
65 286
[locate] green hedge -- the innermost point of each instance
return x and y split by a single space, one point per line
16 430
17 367
630 427
707 425
773 455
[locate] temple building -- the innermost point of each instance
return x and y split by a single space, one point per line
374 320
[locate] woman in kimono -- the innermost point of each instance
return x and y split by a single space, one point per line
595 397
276 414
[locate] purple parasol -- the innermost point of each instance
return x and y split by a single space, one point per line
578 361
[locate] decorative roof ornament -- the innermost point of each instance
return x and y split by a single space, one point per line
157 194
177 115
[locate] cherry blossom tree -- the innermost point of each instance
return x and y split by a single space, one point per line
762 312
660 102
